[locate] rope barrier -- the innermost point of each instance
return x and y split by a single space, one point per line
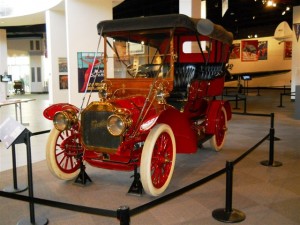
123 213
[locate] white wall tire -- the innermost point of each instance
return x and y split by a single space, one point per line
218 139
62 162
158 160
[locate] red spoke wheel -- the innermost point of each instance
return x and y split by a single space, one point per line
64 153
217 141
158 160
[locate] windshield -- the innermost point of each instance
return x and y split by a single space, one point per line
128 59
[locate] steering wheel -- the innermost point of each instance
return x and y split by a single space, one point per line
131 70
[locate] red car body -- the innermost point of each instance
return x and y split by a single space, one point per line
160 102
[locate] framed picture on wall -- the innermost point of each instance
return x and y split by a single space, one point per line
236 50
250 50
63 81
287 53
85 63
62 65
262 50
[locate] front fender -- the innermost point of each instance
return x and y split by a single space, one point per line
213 112
51 110
186 139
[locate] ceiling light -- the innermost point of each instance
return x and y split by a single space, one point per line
287 8
269 3
283 13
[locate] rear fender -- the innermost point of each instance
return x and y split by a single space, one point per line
212 114
51 110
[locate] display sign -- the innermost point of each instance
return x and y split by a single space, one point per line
10 130
246 77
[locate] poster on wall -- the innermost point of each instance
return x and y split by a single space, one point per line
62 65
287 50
235 53
63 81
262 50
249 50
85 63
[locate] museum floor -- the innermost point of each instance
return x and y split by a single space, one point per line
267 195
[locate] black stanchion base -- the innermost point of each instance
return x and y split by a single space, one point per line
234 216
38 221
12 189
272 164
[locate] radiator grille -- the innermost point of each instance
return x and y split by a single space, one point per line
94 131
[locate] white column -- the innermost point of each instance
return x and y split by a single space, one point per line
82 18
56 48
3 52
190 8
295 52
3 63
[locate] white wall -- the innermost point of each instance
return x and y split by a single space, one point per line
275 61
296 51
82 18
56 48
3 51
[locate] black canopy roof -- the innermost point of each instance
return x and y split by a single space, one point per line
162 22
146 23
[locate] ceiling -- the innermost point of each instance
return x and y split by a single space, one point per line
243 17
250 17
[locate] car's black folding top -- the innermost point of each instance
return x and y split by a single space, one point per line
147 23
182 23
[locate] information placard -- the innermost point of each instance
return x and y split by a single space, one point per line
10 130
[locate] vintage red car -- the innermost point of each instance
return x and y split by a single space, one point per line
156 98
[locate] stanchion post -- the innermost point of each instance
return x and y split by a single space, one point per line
15 188
280 105
258 91
33 219
30 180
245 105
228 214
229 181
271 161
236 102
123 214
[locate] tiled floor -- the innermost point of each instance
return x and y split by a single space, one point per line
266 195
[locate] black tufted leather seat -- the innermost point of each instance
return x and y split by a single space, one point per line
208 72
